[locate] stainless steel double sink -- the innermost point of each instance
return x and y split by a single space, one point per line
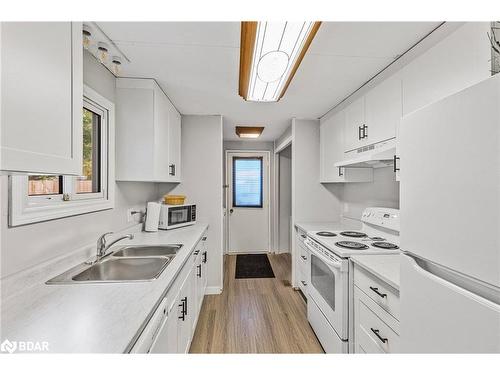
126 264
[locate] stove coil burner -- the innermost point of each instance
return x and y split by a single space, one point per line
353 234
351 245
385 245
326 234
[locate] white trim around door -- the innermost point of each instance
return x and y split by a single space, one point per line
266 198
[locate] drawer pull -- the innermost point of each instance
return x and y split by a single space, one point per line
376 332
303 282
303 257
383 295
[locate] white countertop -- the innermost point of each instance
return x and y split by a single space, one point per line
103 318
385 267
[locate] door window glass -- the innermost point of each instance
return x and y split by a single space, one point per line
247 182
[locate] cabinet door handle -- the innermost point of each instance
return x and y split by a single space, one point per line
303 282
359 132
383 295
183 306
303 257
365 131
395 163
340 172
376 332
172 169
199 270
204 238
204 257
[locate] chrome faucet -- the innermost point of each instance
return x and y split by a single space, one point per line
103 246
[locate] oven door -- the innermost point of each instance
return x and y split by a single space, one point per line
329 290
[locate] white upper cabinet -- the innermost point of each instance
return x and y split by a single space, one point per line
354 123
174 144
331 146
383 110
148 133
374 117
332 151
42 97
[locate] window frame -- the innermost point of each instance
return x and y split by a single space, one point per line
25 209
261 160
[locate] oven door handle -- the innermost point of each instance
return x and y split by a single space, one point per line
332 263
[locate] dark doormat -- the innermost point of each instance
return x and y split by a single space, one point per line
253 266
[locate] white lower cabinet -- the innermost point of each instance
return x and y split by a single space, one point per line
172 326
376 314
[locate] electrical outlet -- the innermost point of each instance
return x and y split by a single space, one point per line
130 216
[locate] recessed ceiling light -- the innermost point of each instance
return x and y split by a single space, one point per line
270 54
249 131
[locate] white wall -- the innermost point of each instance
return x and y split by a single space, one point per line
202 184
26 246
312 201
382 192
285 199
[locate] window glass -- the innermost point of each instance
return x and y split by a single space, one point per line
45 185
89 181
247 182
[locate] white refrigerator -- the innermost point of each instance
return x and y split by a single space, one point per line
450 223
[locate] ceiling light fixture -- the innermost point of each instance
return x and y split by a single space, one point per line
102 52
86 36
270 54
117 63
249 131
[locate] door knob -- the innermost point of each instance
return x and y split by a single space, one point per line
231 211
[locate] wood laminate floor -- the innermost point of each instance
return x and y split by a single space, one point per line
255 315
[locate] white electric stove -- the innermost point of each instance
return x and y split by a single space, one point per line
379 235
328 303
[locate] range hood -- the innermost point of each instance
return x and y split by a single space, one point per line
373 156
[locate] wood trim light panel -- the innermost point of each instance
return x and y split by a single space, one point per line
270 54
249 131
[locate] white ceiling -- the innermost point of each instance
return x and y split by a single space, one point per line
197 64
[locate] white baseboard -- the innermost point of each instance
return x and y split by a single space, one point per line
249 252
213 290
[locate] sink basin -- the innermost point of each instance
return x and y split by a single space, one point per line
124 269
148 251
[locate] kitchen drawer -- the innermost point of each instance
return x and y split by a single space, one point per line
301 236
303 254
383 294
366 344
373 322
303 281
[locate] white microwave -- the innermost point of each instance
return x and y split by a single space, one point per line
176 216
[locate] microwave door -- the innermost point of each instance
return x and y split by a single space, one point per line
178 216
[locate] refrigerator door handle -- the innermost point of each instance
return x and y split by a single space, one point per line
479 291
